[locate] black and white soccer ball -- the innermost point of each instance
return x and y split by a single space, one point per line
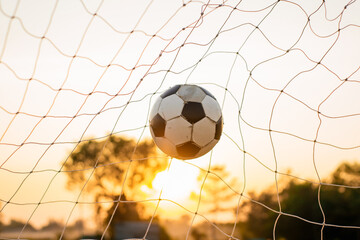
186 121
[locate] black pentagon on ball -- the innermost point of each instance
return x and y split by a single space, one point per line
207 92
188 150
219 127
170 91
158 125
193 112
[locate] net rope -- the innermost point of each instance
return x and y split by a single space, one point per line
161 73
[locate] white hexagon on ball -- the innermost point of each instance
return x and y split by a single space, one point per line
171 107
203 132
212 108
178 130
189 93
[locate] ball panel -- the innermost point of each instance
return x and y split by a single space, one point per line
207 148
207 93
187 150
166 146
212 108
191 93
155 108
193 112
157 125
171 107
170 91
203 132
219 128
178 130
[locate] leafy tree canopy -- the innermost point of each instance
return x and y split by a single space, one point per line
341 206
102 166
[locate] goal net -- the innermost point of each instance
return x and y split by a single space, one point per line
77 83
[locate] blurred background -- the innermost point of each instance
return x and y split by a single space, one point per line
77 82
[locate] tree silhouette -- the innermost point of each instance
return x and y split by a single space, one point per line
197 234
17 225
260 220
341 206
101 166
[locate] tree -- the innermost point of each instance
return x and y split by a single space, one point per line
300 199
260 221
197 234
53 225
17 225
347 174
340 204
109 161
216 196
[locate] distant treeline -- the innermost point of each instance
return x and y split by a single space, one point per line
53 226
301 217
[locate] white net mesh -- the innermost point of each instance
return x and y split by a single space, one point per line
84 74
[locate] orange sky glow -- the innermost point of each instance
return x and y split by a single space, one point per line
98 74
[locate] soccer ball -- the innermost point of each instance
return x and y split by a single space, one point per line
186 121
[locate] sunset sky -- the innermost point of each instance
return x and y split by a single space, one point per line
97 74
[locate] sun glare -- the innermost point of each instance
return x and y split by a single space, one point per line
177 183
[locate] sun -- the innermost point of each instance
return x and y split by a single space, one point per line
176 183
